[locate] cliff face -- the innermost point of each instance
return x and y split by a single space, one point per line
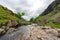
51 16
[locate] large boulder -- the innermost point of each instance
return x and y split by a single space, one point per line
11 23
2 31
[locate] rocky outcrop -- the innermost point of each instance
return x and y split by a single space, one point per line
2 31
33 32
8 27
57 20
10 23
51 7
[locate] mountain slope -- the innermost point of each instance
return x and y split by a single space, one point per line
51 16
6 14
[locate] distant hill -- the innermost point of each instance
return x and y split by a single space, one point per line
51 16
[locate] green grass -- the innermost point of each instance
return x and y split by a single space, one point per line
53 25
50 16
6 15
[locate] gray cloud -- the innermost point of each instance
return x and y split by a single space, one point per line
32 8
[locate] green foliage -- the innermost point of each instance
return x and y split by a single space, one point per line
20 14
32 19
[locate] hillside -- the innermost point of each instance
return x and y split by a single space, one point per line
51 16
10 20
6 15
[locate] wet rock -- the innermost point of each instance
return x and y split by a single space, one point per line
46 27
58 33
10 30
12 23
5 27
2 31
33 32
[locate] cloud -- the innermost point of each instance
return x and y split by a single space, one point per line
32 8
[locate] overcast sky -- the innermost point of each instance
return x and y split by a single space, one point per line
32 8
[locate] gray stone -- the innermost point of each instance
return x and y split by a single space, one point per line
32 32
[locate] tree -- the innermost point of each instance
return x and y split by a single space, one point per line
32 20
20 14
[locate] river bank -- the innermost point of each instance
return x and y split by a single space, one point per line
33 32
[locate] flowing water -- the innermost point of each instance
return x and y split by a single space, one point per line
32 32
21 33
